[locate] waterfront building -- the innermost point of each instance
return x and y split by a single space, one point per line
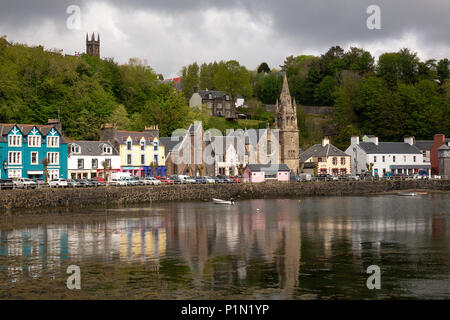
327 159
24 146
87 159
438 141
261 172
381 158
227 160
184 151
141 153
444 160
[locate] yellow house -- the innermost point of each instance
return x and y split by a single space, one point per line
328 158
141 153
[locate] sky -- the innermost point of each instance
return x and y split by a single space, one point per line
168 34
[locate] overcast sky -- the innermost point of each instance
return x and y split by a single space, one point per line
171 33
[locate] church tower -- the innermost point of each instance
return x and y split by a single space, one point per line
93 46
286 122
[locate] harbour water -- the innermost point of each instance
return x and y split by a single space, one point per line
309 248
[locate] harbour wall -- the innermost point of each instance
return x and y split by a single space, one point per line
112 196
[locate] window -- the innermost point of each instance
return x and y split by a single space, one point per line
129 144
227 106
414 158
14 173
53 174
142 145
14 157
142 159
14 140
107 149
319 159
74 148
404 158
155 159
52 142
393 158
335 161
94 163
53 157
34 158
155 146
219 106
108 163
34 141
374 159
342 161
383 158
129 159
80 163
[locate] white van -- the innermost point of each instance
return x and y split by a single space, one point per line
304 177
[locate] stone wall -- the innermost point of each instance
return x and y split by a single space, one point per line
51 198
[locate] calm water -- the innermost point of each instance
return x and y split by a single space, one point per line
315 248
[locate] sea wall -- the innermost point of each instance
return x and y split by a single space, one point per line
105 196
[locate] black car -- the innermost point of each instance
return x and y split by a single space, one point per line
225 178
6 184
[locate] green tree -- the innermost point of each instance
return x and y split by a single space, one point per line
233 78
190 79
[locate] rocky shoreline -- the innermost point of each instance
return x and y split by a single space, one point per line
113 196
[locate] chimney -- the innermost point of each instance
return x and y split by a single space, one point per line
373 139
196 88
108 132
409 140
354 140
56 123
325 141
154 129
439 139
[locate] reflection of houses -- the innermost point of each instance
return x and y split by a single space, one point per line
327 158
87 159
139 151
24 146
218 103
384 157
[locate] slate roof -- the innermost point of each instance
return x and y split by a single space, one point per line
444 147
92 148
424 144
318 150
136 136
5 128
170 143
268 168
389 148
215 94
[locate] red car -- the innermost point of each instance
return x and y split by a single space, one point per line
164 180
100 179
236 179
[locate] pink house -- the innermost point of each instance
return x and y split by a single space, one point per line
260 172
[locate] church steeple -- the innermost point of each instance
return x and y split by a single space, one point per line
93 46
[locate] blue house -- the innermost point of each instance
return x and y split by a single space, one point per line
23 146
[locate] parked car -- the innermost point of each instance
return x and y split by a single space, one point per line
96 183
73 183
24 183
186 179
152 181
165 180
352 177
236 179
100 179
209 179
6 184
119 182
200 180
176 179
225 178
304 177
58 183
84 183
40 183
218 180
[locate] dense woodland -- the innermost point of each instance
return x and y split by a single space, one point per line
397 96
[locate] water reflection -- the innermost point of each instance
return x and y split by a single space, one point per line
316 247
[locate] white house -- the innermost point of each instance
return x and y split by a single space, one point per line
86 159
385 157
226 157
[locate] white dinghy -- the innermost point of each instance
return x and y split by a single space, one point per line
219 201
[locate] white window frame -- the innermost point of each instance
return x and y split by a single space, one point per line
14 140
52 142
37 157
16 156
15 173
34 141
53 158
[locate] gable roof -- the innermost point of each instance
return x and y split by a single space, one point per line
424 144
389 148
136 136
170 143
92 148
215 94
25 129
318 150
268 168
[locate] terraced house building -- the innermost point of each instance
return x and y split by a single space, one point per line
141 153
24 146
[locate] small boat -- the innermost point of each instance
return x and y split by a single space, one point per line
407 194
219 201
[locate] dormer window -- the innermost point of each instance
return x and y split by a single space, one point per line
107 149
34 141
14 140
209 96
129 144
52 142
227 97
142 143
155 146
74 148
